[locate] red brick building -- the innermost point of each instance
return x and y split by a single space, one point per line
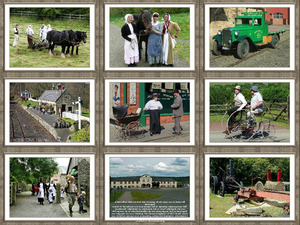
278 16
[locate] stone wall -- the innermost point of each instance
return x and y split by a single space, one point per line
47 126
84 178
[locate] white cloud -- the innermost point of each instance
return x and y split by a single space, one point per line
161 166
116 161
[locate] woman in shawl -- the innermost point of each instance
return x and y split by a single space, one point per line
154 106
155 42
131 48
169 28
41 191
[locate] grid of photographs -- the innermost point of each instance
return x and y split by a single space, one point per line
161 113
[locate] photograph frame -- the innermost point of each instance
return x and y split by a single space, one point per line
6 59
106 60
206 59
6 126
292 86
193 201
206 167
107 113
6 204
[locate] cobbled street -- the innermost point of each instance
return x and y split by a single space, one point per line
263 56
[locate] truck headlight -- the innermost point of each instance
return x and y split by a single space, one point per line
219 32
236 33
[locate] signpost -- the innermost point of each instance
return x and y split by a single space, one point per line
79 102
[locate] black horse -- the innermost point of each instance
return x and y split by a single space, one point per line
144 27
80 36
64 38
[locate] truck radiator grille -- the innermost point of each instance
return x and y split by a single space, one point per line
226 37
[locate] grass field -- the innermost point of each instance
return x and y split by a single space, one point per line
20 56
114 198
29 102
218 206
144 196
182 49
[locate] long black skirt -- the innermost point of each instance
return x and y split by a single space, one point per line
155 122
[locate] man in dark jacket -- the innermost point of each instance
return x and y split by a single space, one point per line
177 107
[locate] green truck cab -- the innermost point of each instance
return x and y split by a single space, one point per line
250 30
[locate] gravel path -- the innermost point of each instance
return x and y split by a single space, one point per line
117 51
126 196
28 206
263 56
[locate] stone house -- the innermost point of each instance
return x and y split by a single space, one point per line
59 98
144 181
25 95
80 168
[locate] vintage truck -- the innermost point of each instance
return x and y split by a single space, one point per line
250 30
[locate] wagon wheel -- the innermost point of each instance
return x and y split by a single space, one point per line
135 130
222 189
236 131
214 183
286 209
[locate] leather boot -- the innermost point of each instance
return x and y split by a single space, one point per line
70 209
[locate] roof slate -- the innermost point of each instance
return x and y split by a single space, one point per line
51 95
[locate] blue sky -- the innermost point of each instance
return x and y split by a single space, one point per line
156 166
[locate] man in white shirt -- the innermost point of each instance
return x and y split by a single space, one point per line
154 106
239 104
16 33
257 102
29 33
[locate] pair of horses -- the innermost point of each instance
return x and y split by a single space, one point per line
66 38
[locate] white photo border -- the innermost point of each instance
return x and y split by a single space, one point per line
32 80
207 112
207 39
28 155
257 155
39 5
157 5
107 186
107 112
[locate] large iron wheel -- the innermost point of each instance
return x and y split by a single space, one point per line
243 49
214 183
222 189
135 130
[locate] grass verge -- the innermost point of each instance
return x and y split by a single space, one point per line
29 102
144 196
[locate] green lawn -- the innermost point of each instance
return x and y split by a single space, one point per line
144 196
69 120
182 49
218 206
85 113
31 102
20 56
116 195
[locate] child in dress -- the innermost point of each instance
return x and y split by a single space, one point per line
51 197
62 193
80 202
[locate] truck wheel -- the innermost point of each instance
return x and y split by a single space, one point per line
222 189
243 49
216 48
214 185
275 41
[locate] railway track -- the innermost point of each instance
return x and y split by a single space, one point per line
24 128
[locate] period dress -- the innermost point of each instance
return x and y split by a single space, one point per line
41 192
52 187
154 106
168 31
131 48
155 44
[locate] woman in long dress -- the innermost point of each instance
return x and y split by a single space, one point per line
41 191
155 42
53 188
154 106
131 48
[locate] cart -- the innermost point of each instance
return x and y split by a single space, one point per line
39 45
127 125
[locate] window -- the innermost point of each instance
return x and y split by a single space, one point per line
257 22
277 16
245 21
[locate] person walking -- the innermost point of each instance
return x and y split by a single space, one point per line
155 42
53 188
154 106
177 107
131 48
71 191
29 33
47 189
16 34
41 191
169 28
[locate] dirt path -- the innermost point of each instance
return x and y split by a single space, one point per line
126 196
116 50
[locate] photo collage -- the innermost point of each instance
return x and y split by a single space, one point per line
142 112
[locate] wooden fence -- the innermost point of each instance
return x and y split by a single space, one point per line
276 108
61 16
